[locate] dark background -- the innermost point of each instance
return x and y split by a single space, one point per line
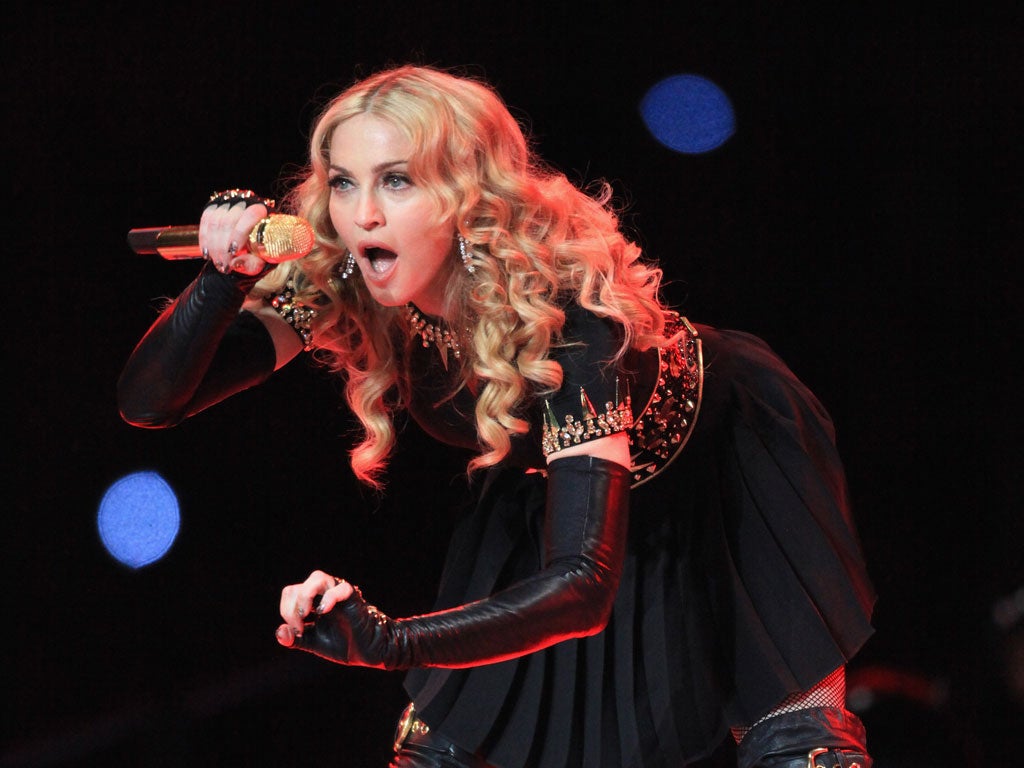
865 220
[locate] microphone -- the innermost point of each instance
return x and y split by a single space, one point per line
276 238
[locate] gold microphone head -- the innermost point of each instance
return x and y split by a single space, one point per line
281 237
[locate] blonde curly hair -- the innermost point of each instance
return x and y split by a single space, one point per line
536 239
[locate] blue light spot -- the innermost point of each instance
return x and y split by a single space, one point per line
138 519
688 114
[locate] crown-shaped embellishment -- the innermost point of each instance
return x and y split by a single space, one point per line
617 417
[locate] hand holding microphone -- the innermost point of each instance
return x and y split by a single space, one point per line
237 232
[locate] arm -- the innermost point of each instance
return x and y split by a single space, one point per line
585 529
203 349
572 596
200 350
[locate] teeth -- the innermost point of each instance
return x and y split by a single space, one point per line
381 259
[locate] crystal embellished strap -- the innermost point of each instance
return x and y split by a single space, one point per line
295 313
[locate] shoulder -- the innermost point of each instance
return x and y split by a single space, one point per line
737 351
744 377
586 344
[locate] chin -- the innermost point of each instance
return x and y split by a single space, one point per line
388 298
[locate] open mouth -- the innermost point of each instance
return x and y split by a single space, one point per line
381 259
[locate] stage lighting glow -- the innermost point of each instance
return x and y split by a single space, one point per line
138 519
688 114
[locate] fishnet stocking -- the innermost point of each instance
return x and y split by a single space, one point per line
830 692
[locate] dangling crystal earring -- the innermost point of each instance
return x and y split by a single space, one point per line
467 257
346 268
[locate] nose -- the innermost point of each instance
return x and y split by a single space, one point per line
368 214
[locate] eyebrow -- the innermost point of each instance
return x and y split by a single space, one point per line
376 169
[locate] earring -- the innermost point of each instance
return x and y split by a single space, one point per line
346 268
467 257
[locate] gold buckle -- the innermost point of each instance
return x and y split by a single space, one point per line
404 725
408 723
820 751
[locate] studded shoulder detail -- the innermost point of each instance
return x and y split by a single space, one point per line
663 425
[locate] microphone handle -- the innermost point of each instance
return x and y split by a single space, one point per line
172 243
276 238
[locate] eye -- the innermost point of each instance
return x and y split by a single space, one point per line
396 181
339 183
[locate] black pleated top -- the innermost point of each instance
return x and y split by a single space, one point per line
744 579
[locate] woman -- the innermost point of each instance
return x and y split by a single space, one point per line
456 277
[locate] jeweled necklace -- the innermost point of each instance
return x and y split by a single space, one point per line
438 335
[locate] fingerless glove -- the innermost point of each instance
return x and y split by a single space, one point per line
572 596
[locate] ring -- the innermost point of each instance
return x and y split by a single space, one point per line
247 196
206 253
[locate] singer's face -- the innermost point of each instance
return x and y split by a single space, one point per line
402 247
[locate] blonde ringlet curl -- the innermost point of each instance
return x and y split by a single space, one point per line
537 241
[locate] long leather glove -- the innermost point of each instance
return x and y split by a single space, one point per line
572 596
199 351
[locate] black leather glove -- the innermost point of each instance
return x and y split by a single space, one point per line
199 351
572 596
